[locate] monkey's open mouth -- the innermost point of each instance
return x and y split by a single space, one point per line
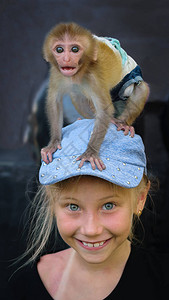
67 68
68 71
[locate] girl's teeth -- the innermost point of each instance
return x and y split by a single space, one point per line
85 244
90 245
101 243
96 245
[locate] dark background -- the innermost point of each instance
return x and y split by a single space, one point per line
143 30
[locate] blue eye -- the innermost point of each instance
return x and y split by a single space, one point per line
108 206
59 49
73 207
75 49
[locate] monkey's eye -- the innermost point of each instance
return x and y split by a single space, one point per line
75 49
59 49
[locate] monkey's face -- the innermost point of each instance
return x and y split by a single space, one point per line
68 54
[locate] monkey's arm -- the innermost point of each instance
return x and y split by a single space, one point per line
104 111
55 117
83 105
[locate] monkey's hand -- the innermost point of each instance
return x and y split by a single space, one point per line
46 153
93 158
123 126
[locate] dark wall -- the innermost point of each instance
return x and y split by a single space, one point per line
141 26
143 30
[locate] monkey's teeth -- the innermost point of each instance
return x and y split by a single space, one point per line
68 68
95 245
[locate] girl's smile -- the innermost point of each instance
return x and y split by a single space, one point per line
93 246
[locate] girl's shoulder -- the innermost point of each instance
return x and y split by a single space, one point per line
51 267
152 262
151 255
47 263
37 281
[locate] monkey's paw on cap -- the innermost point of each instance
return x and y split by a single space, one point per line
123 156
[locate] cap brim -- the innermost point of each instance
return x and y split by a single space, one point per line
118 172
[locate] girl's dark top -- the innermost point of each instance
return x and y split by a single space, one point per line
145 276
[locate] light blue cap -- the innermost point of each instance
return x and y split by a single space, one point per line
123 156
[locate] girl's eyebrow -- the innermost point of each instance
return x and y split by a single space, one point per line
77 200
68 198
108 197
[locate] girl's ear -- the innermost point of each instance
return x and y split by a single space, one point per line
142 199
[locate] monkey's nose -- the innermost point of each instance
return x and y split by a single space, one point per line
66 57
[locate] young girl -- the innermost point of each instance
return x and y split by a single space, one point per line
95 213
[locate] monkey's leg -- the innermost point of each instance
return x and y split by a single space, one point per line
124 127
134 106
119 108
55 116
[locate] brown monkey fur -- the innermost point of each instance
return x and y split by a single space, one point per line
99 69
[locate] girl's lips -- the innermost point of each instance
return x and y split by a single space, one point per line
93 246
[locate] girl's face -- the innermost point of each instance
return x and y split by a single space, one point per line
95 218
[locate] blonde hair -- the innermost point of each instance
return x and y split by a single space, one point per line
43 221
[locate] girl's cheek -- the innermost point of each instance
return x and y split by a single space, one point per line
120 223
65 224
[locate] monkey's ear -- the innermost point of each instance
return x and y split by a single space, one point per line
95 53
47 48
45 55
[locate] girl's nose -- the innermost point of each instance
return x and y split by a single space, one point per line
91 226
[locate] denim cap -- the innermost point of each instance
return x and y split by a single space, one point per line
123 156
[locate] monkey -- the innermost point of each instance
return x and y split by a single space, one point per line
93 71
